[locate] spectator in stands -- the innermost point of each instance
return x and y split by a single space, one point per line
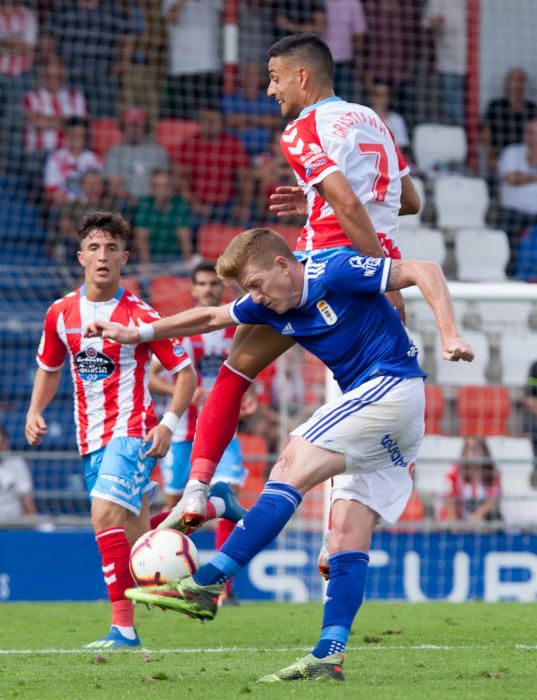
344 33
16 498
293 17
504 120
249 113
128 166
393 43
66 166
194 29
162 223
93 197
380 96
256 31
142 78
213 173
529 404
95 41
474 485
445 20
517 170
46 110
271 170
18 40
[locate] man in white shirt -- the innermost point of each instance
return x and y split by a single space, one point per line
16 497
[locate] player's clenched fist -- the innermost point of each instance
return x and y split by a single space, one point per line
456 349
112 331
36 428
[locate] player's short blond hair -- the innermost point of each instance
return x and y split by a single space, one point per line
259 246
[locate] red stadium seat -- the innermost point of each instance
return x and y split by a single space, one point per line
213 238
254 451
290 233
105 134
483 410
434 409
170 294
172 133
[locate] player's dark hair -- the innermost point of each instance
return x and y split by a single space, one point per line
76 121
309 48
203 266
259 246
111 222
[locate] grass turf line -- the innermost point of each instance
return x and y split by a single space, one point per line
481 658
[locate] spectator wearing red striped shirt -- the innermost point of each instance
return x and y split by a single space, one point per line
18 39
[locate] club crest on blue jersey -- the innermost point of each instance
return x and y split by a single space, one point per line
327 312
368 265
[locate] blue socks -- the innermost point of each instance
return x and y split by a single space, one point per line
344 595
261 524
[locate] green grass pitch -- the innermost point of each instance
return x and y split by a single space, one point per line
396 650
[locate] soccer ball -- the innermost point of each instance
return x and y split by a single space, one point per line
162 555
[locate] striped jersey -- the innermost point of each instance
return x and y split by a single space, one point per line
64 103
110 380
21 23
344 319
333 135
207 353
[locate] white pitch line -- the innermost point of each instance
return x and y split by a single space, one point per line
282 650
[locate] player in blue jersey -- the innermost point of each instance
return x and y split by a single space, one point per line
337 310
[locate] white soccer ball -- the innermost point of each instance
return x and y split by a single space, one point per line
162 555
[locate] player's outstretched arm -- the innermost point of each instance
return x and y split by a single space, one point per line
44 390
430 280
185 323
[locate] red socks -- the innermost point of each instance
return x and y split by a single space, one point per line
115 551
217 422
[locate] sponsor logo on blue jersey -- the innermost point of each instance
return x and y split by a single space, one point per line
327 312
368 265
391 446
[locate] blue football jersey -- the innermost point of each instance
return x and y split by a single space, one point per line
344 319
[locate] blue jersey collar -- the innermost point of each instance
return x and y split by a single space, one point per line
117 295
307 110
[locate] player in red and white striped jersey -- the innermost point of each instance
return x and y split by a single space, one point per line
356 185
117 431
48 106
18 37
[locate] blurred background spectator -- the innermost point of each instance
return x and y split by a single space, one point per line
380 96
345 29
517 170
271 170
18 41
16 498
66 166
46 111
128 166
474 485
249 113
529 404
256 31
446 21
142 76
299 17
95 40
505 117
213 173
194 51
162 223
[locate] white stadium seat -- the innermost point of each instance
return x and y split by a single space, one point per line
481 254
496 316
436 456
463 373
436 143
414 220
518 350
460 201
513 458
422 244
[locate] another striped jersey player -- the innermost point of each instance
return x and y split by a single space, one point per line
110 381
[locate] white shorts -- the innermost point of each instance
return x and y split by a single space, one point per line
379 428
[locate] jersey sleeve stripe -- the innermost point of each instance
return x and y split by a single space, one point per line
46 367
232 313
180 366
385 274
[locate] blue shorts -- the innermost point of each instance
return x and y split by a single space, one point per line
322 254
176 466
119 473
